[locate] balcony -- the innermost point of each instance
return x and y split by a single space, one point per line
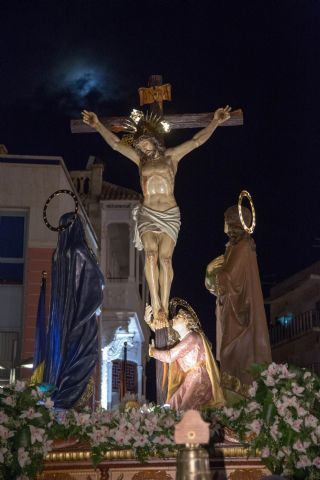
301 324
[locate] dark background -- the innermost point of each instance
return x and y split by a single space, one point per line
57 58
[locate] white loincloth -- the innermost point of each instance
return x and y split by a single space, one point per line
149 220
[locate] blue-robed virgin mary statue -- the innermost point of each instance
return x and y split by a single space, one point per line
76 295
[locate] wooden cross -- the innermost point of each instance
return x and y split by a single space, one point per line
159 92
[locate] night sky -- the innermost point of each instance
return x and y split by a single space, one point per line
262 56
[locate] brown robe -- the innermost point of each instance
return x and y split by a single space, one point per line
242 332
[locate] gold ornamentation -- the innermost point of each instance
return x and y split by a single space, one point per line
87 394
233 383
65 475
152 475
247 474
158 94
250 229
44 214
139 124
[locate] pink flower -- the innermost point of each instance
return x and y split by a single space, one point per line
311 421
97 436
253 406
297 390
232 413
10 401
5 433
274 432
2 452
287 451
301 411
3 417
316 462
20 386
253 389
37 434
162 440
255 426
301 446
265 452
23 457
295 424
304 462
270 382
48 403
30 413
141 441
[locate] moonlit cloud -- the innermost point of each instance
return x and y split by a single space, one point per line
77 83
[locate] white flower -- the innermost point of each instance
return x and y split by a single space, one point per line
10 401
20 386
162 440
311 421
306 375
2 453
253 406
316 462
265 452
23 457
287 451
37 434
48 403
297 390
5 433
30 414
295 424
303 462
301 411
141 441
301 446
255 426
274 432
270 382
3 417
232 413
253 389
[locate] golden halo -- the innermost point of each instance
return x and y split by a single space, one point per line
250 229
61 227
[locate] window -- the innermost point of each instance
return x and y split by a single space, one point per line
12 234
285 319
118 251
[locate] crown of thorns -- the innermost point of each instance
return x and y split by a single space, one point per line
139 124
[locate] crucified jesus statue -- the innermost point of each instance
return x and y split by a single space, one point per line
158 218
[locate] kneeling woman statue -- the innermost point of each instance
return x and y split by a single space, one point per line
193 380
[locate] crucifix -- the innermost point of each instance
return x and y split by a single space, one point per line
157 219
154 95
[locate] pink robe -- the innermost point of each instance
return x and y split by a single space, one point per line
196 389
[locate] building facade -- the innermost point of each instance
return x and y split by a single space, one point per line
26 247
295 319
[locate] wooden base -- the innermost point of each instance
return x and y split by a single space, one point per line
229 462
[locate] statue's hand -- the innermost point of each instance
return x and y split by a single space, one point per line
151 348
215 264
221 115
148 314
90 118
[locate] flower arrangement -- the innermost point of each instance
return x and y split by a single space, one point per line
147 430
26 417
29 424
281 419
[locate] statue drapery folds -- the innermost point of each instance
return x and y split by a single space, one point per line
76 294
242 333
